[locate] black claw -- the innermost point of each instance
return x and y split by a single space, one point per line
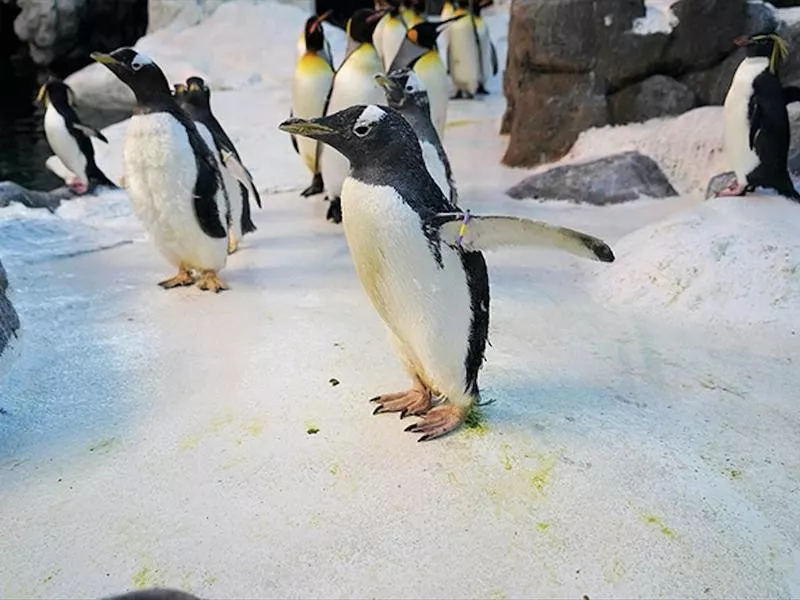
375 399
425 438
411 428
404 414
378 409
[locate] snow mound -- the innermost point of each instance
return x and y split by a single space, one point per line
659 18
726 262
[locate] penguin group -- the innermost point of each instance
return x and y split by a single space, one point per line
390 37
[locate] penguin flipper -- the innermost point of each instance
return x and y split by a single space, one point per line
90 131
495 65
488 232
791 94
242 175
407 55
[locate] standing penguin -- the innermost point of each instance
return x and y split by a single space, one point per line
488 53
411 12
419 52
757 133
389 33
69 138
311 86
406 95
172 176
353 83
324 49
195 98
431 292
464 53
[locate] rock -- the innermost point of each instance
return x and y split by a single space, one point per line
609 180
790 70
656 96
761 18
704 34
9 323
178 13
719 182
550 110
13 192
711 85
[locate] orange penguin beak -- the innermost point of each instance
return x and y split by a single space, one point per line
319 20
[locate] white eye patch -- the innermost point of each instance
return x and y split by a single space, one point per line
367 120
139 61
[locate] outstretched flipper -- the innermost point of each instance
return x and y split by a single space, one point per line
488 232
241 174
90 131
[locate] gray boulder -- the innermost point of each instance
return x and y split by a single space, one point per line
9 320
719 182
711 85
656 96
609 180
13 192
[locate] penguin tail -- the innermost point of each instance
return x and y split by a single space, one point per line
98 179
786 188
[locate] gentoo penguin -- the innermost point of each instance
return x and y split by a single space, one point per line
488 53
195 98
430 291
406 95
69 138
324 49
172 176
353 83
389 33
756 122
311 85
463 53
418 52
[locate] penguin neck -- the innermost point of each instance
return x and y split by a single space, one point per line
418 116
755 62
156 103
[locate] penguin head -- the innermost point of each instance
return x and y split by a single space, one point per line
365 135
766 45
402 87
56 92
362 24
314 35
425 34
137 71
194 93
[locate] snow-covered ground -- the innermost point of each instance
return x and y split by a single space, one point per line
644 440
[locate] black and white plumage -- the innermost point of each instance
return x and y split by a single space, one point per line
70 139
757 132
432 294
195 98
486 49
172 175
405 94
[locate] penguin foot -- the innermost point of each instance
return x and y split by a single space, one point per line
335 211
183 278
458 96
210 282
439 421
734 189
233 244
316 187
481 91
77 186
416 401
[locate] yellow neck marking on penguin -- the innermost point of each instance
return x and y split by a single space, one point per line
412 35
780 50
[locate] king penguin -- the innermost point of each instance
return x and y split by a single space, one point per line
195 98
69 139
172 176
411 12
353 83
405 94
757 133
389 33
488 53
463 53
324 50
418 52
311 86
430 290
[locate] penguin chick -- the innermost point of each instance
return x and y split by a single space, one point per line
353 83
419 52
195 98
463 54
405 94
311 86
172 176
69 138
757 133
420 264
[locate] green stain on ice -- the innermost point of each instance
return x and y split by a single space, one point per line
654 520
103 446
142 579
734 474
311 428
476 421
543 527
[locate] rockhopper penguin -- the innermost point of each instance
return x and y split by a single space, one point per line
69 138
757 133
194 97
429 289
405 94
172 176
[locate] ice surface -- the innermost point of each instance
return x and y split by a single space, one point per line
635 448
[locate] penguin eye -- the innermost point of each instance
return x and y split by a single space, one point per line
136 65
361 130
409 88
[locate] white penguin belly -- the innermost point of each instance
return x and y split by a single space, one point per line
393 35
433 75
435 166
354 84
160 173
741 158
310 87
63 145
485 40
426 307
463 54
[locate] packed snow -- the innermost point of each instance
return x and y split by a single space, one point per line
658 18
643 440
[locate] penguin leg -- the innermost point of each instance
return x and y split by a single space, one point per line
439 421
209 281
416 401
183 278
481 91
316 186
335 211
734 189
233 243
458 95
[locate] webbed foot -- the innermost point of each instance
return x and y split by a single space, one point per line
439 421
210 282
335 211
416 401
183 278
316 187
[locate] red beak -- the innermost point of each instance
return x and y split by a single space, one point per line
741 42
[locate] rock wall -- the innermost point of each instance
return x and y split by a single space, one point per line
9 321
181 13
577 64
